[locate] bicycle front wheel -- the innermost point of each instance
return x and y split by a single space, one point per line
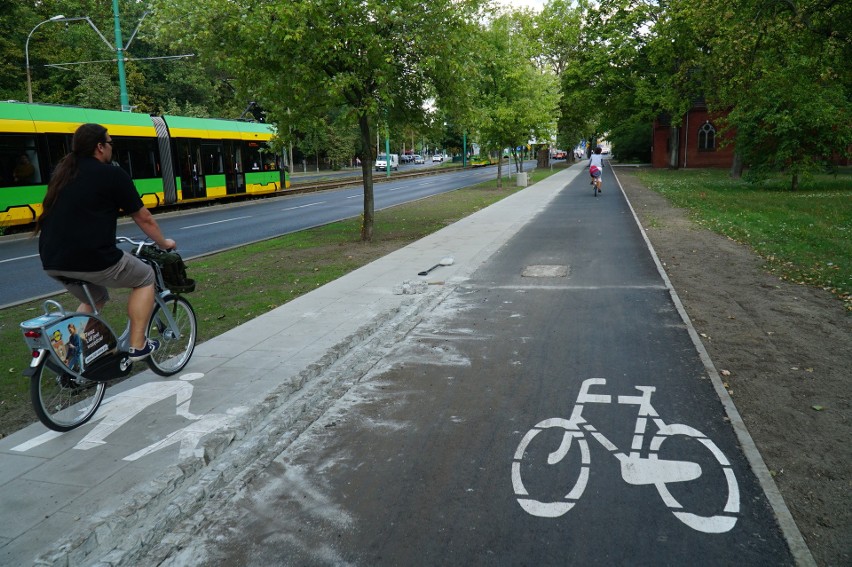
61 400
713 505
176 343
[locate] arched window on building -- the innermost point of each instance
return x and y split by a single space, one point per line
706 137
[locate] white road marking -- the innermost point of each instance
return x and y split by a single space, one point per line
303 206
36 441
215 222
19 258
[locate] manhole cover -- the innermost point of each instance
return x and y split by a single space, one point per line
545 271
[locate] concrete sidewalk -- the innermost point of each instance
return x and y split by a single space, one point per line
79 498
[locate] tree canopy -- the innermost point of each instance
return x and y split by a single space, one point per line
778 71
335 75
380 60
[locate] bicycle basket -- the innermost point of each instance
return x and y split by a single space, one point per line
171 266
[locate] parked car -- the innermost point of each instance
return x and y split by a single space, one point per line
438 158
419 159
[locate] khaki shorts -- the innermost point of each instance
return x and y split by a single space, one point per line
129 272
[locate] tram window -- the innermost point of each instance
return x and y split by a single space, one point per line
213 159
252 158
58 146
186 162
270 161
19 161
137 156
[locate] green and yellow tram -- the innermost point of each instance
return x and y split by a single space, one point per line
172 159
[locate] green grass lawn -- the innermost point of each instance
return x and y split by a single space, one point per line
805 236
238 285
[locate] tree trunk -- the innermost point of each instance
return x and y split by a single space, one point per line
367 174
737 166
794 184
674 147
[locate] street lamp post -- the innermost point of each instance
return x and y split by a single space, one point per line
118 49
27 53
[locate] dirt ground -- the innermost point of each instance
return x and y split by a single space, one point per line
788 349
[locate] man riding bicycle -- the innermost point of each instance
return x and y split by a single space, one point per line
85 197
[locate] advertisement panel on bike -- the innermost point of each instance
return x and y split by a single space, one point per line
78 341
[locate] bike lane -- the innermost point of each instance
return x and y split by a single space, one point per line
440 455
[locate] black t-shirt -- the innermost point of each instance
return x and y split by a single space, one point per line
79 233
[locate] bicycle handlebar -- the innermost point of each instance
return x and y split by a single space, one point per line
139 244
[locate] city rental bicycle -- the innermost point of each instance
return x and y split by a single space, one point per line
75 354
646 464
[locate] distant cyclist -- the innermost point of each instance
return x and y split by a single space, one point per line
596 167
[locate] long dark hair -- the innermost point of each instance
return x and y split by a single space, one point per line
85 141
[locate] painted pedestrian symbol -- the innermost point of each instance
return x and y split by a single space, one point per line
636 470
121 408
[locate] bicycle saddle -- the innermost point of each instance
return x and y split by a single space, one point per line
72 281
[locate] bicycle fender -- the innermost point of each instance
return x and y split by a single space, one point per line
35 363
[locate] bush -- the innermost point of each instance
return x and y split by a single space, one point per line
632 141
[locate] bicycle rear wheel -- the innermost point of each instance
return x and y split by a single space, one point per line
176 344
548 479
61 400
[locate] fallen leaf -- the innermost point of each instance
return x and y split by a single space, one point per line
809 369
725 372
817 408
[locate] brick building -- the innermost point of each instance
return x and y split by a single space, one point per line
693 141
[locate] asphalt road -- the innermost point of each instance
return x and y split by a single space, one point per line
447 453
221 227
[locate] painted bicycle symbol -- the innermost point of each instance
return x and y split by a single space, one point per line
636 470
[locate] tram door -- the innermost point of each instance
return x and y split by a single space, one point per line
190 169
235 178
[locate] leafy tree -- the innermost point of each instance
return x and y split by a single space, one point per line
516 102
379 59
96 89
557 31
791 105
778 69
314 138
13 76
89 75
